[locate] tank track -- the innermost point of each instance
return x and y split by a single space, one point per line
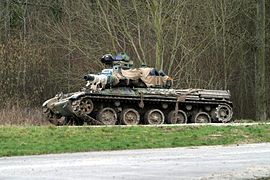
149 110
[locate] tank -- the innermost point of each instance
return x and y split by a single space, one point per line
122 94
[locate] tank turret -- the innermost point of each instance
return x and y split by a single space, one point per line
121 74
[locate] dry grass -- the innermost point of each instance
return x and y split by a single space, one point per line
17 115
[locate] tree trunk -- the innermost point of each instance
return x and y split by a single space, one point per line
260 90
7 21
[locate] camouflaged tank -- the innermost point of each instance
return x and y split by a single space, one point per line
125 95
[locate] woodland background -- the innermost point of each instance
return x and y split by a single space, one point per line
46 46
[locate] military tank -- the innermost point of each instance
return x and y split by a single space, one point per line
122 94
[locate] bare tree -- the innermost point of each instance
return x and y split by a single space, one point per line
260 63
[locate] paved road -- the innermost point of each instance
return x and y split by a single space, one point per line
217 162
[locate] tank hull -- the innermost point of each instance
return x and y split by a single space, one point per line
131 106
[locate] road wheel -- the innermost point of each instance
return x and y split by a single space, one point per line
154 117
107 116
177 118
130 117
202 117
224 113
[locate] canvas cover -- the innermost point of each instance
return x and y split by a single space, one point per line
133 74
151 80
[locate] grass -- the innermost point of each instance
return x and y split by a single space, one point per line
29 140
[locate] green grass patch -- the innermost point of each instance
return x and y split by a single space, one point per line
16 140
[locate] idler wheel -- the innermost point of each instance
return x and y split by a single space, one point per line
107 116
224 113
177 117
154 117
202 117
84 105
130 117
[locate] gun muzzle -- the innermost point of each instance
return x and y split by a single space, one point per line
89 77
